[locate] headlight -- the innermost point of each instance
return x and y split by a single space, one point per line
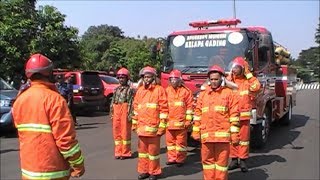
4 103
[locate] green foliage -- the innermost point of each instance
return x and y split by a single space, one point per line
24 30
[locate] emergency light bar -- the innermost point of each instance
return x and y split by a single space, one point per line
220 22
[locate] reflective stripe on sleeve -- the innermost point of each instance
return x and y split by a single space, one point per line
189 111
45 175
77 161
188 117
71 152
234 119
178 103
163 116
181 149
150 129
195 129
34 128
249 75
134 121
244 143
196 118
162 125
242 93
245 114
234 129
204 109
151 105
220 108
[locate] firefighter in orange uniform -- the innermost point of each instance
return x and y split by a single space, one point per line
48 145
179 120
248 85
216 122
120 110
149 121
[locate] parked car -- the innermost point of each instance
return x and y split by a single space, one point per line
88 91
109 83
7 97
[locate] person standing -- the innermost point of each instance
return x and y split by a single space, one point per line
216 122
149 121
69 84
48 145
248 86
120 110
180 101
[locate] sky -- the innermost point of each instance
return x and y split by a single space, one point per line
292 23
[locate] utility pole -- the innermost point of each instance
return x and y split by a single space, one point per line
234 9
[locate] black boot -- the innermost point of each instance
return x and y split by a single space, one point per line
243 165
153 177
143 176
180 164
170 163
233 164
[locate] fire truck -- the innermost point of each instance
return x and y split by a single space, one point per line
219 42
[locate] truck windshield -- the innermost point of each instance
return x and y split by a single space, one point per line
195 53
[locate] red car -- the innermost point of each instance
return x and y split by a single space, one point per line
109 84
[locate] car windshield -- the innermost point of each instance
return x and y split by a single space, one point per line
4 85
195 53
109 79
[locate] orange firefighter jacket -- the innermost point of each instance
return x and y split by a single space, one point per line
180 107
48 145
216 115
150 110
246 90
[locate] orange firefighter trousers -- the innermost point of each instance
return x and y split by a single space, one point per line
121 130
149 155
242 150
176 145
215 157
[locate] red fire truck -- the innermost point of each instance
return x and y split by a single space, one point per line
218 42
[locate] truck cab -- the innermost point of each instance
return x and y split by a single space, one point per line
219 42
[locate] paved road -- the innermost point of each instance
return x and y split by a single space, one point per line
292 152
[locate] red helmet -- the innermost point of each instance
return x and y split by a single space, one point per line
150 70
123 72
175 74
239 61
216 68
38 63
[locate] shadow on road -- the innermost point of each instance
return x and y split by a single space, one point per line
191 166
252 174
261 160
282 136
8 150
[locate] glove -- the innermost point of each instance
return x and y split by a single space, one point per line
195 135
161 131
77 171
187 124
235 139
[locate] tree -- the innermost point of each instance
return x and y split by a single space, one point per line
24 30
317 35
17 29
55 40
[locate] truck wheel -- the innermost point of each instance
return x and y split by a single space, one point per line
286 119
260 132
